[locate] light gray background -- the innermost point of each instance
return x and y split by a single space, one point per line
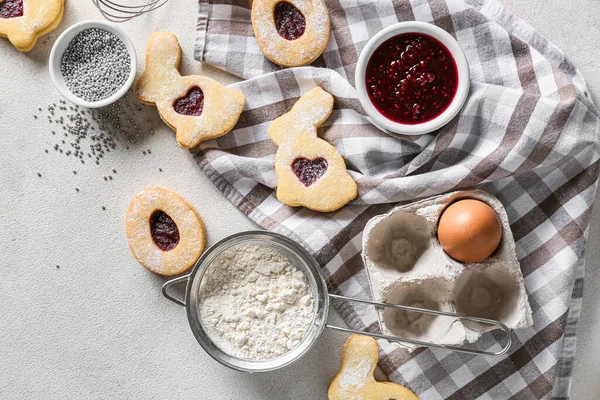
98 327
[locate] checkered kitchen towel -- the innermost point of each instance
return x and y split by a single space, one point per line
528 134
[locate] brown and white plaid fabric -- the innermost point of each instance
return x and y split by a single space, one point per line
528 134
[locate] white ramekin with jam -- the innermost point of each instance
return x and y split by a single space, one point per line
412 78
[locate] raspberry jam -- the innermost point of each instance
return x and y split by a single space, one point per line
164 231
411 78
11 9
289 21
191 104
308 171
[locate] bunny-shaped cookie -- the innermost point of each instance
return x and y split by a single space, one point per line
311 172
355 381
197 108
23 22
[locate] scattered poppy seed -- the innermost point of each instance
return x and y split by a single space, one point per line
99 131
40 175
103 208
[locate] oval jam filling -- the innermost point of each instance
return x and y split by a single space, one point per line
11 9
191 104
164 231
289 21
411 78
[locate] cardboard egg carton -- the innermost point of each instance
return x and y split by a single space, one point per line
406 265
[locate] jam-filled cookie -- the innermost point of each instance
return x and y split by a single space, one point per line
197 108
311 172
23 22
165 233
291 33
355 379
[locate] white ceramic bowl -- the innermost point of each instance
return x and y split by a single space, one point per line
453 108
61 45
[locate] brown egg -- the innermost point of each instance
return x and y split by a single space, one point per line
469 230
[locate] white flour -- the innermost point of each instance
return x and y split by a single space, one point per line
254 303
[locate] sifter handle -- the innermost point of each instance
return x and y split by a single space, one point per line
168 284
426 311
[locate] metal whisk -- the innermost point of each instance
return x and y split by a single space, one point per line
116 11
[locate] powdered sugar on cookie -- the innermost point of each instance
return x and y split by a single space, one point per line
188 233
299 51
39 18
311 172
214 108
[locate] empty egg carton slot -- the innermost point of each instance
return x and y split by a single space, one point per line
397 242
491 293
433 294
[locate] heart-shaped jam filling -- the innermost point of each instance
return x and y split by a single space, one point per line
165 233
289 21
190 104
11 9
308 171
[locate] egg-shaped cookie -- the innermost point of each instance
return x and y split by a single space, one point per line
165 233
291 33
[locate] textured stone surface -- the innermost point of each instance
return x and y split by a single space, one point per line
99 327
